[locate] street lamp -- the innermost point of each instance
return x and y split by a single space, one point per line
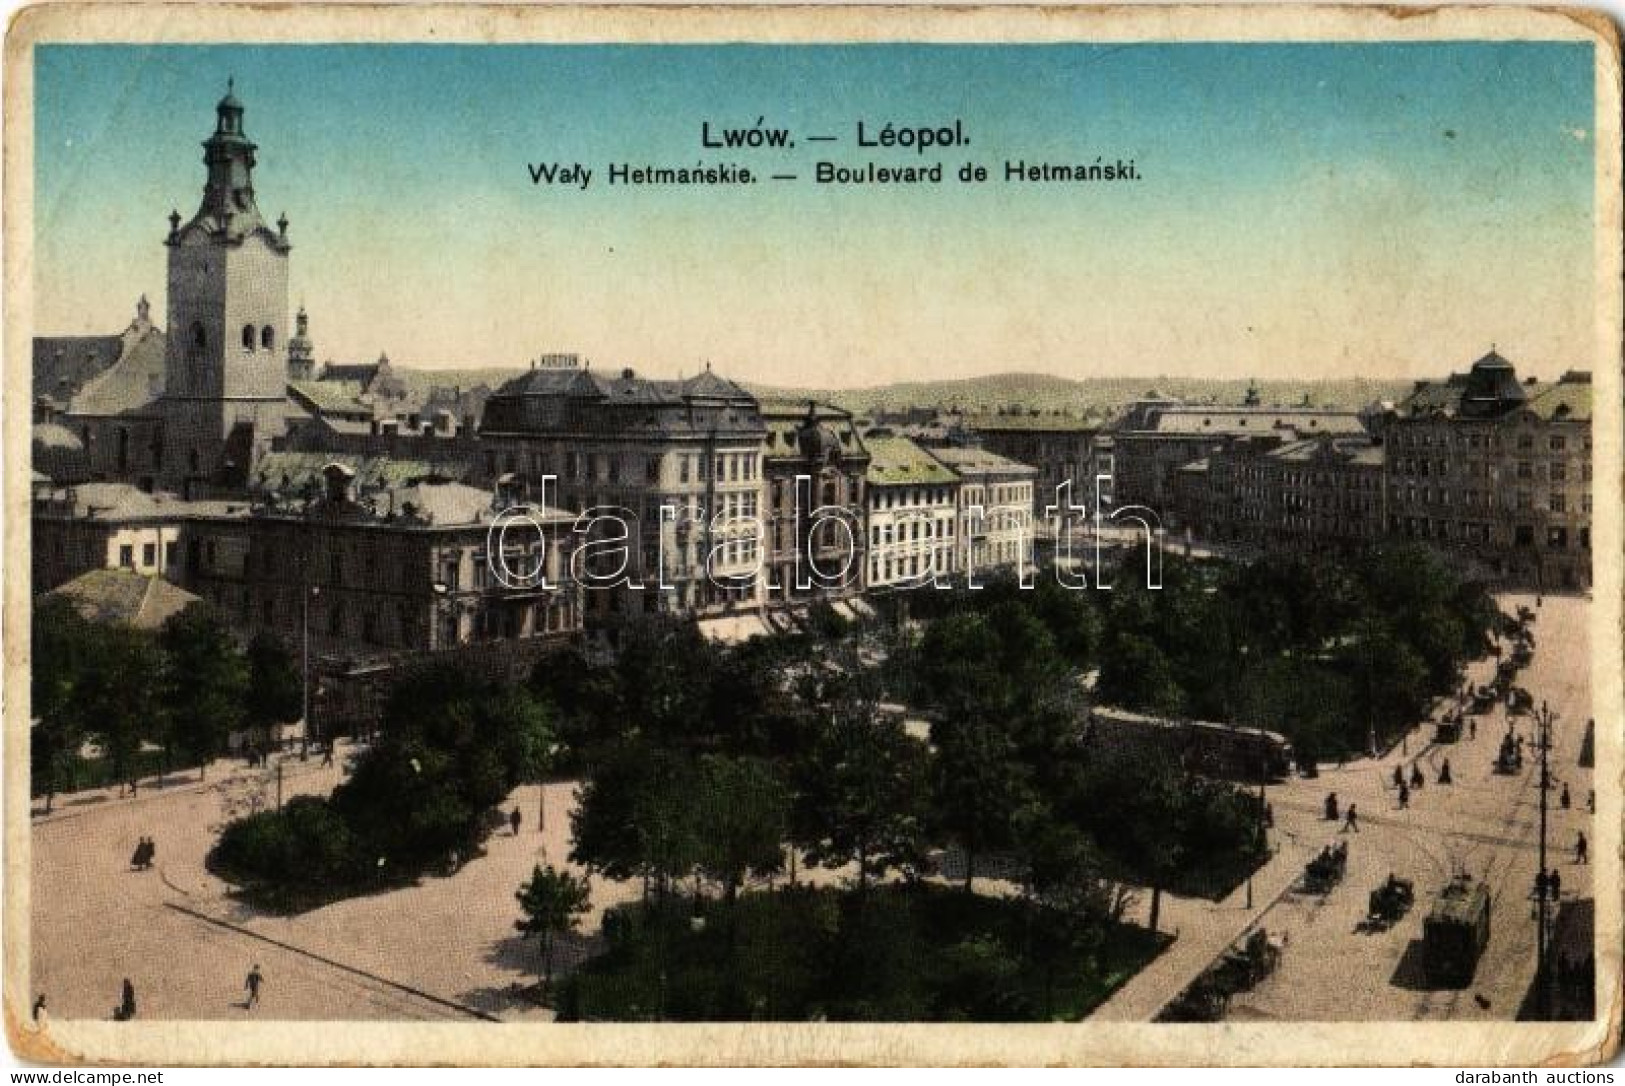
1543 722
309 593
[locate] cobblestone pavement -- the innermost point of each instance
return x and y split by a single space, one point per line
446 948
1484 823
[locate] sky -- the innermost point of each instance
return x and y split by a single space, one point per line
1383 210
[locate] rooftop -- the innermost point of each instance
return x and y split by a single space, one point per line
897 461
969 459
124 596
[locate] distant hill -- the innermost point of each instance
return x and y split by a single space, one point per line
1090 397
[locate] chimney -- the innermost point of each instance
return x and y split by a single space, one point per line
627 374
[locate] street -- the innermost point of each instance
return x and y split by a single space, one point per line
446 947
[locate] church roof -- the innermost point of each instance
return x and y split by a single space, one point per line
62 364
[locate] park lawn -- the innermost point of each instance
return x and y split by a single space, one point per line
899 952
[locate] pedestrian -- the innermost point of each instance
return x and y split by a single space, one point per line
1540 893
1399 777
133 788
514 820
1331 806
1555 881
255 979
152 851
1269 816
1580 848
1472 728
1444 772
126 1008
1404 796
39 1008
1591 800
1564 798
1416 775
1351 824
327 754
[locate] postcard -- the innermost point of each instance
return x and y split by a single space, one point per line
863 536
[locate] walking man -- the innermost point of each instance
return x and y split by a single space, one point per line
513 821
1351 824
327 754
1404 796
1555 881
1580 848
255 979
126 1007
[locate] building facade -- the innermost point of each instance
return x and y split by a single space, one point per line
679 463
1497 472
814 462
996 503
913 514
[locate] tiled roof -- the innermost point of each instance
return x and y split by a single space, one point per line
331 395
897 461
981 461
124 596
1238 420
1566 399
291 472
1047 423
62 364
132 383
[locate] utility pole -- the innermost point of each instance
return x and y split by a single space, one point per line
1542 977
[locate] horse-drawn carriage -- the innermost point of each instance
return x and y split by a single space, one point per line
1389 902
1509 759
1239 969
1326 869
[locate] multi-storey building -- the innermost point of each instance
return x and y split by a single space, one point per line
1062 449
995 509
913 514
1158 436
679 463
1497 472
814 462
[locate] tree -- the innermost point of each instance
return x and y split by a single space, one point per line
635 817
863 796
205 684
275 687
741 818
552 902
451 749
980 784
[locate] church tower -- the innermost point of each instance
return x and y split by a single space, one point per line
301 356
226 366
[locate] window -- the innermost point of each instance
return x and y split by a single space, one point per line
1558 443
1558 503
1557 471
267 337
248 337
1526 470
126 556
1557 538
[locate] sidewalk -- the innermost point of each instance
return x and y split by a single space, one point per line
1205 929
222 771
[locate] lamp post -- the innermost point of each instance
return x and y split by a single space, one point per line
308 593
1543 722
